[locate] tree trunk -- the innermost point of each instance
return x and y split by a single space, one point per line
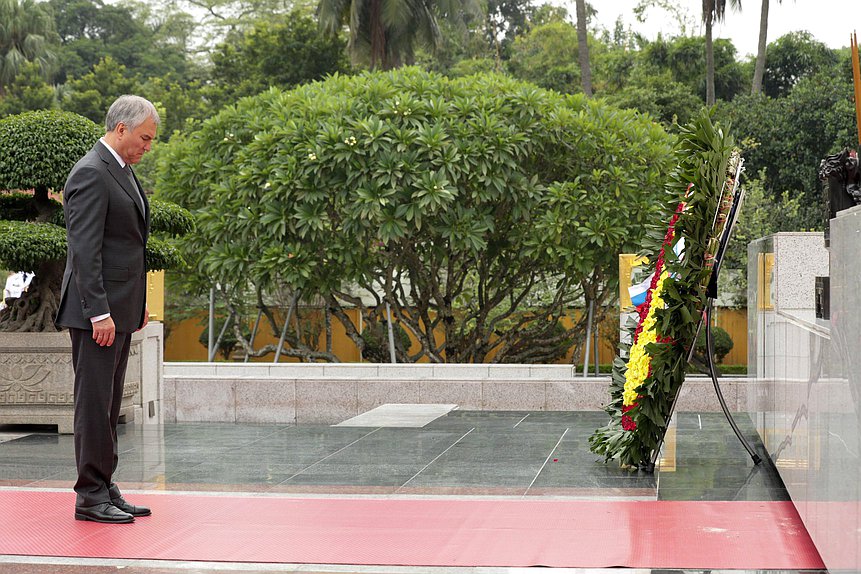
379 59
45 208
583 49
491 26
710 61
35 309
759 70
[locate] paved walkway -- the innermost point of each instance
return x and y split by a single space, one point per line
459 454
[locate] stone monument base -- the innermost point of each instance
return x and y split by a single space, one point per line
36 379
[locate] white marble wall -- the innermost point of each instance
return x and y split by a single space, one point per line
293 393
805 397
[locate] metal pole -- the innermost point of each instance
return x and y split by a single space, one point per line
284 330
253 334
588 340
597 338
211 339
713 372
220 336
393 358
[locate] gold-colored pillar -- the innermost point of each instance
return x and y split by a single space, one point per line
155 295
627 262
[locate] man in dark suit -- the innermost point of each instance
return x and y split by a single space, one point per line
103 298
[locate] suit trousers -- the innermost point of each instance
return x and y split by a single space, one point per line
99 380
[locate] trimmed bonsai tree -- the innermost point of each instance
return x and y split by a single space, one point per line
37 151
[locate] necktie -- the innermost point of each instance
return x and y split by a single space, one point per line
128 171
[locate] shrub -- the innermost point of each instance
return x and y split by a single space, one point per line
722 343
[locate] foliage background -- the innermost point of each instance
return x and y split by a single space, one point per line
193 58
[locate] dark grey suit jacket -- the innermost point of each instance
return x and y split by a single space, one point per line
107 233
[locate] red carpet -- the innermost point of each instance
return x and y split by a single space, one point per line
419 532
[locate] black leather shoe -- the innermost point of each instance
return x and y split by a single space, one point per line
104 512
130 508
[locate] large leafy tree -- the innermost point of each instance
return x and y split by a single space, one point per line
505 20
480 209
384 34
685 57
282 53
792 57
150 43
29 91
547 56
37 151
92 94
653 91
26 33
216 20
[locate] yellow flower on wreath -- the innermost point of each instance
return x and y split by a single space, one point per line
639 360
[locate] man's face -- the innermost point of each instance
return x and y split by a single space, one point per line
133 144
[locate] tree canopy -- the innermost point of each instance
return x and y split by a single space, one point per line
461 203
283 53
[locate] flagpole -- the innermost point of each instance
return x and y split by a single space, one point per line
856 81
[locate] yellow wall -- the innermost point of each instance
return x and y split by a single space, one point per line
183 345
183 342
734 322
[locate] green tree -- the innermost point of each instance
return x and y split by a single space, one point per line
792 57
180 104
654 92
613 58
685 58
37 151
29 91
218 19
92 94
463 40
547 56
505 20
384 34
792 134
90 31
482 206
284 54
26 33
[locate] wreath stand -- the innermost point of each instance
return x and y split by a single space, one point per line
706 318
